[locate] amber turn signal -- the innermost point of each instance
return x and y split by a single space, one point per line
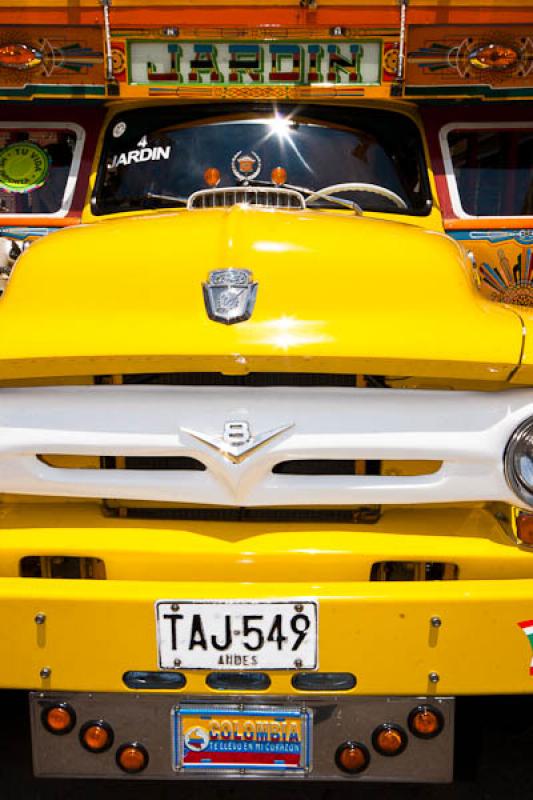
389 740
96 736
212 176
132 757
352 757
426 722
278 176
58 719
524 528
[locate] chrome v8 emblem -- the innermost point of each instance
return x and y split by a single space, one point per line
229 295
237 441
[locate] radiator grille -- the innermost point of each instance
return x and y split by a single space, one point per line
250 195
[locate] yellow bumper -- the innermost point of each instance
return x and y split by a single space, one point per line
95 630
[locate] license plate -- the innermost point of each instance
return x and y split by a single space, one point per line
237 738
240 634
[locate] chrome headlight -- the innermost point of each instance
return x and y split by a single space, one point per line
518 461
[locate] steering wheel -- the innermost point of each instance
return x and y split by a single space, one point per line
373 188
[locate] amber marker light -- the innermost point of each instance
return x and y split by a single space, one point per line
132 757
493 56
524 528
279 176
58 719
212 176
19 56
389 740
96 736
352 757
426 722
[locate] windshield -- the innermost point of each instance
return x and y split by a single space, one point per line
158 157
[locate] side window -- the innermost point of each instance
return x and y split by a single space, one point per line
489 169
39 165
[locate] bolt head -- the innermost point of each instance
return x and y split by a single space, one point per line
45 672
40 619
177 662
436 622
298 608
298 663
175 606
434 677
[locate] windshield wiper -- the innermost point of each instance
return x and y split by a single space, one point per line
167 198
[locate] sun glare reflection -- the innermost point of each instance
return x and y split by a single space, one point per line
288 332
280 126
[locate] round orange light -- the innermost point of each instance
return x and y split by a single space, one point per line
352 757
96 736
524 528
212 176
59 719
132 757
494 56
426 722
279 176
389 740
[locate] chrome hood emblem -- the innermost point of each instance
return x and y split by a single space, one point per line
229 295
237 441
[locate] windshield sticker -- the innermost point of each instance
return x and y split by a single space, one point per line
140 155
24 166
119 129
246 166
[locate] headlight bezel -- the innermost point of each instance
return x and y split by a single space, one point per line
512 472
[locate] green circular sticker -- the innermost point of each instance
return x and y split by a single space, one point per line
23 167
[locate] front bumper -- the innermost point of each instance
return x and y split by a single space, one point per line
96 630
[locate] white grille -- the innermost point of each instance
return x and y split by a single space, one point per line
466 431
249 195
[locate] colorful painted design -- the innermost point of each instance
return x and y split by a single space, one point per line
442 56
504 263
19 56
233 738
24 166
195 63
391 55
40 60
118 60
524 236
527 627
512 284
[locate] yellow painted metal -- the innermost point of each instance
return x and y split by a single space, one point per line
387 638
97 630
166 550
336 293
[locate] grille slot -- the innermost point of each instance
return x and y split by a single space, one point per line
413 571
336 466
67 567
250 195
260 379
163 463
365 515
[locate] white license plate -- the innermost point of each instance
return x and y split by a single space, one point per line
237 634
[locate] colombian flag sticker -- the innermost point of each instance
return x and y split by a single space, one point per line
527 627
